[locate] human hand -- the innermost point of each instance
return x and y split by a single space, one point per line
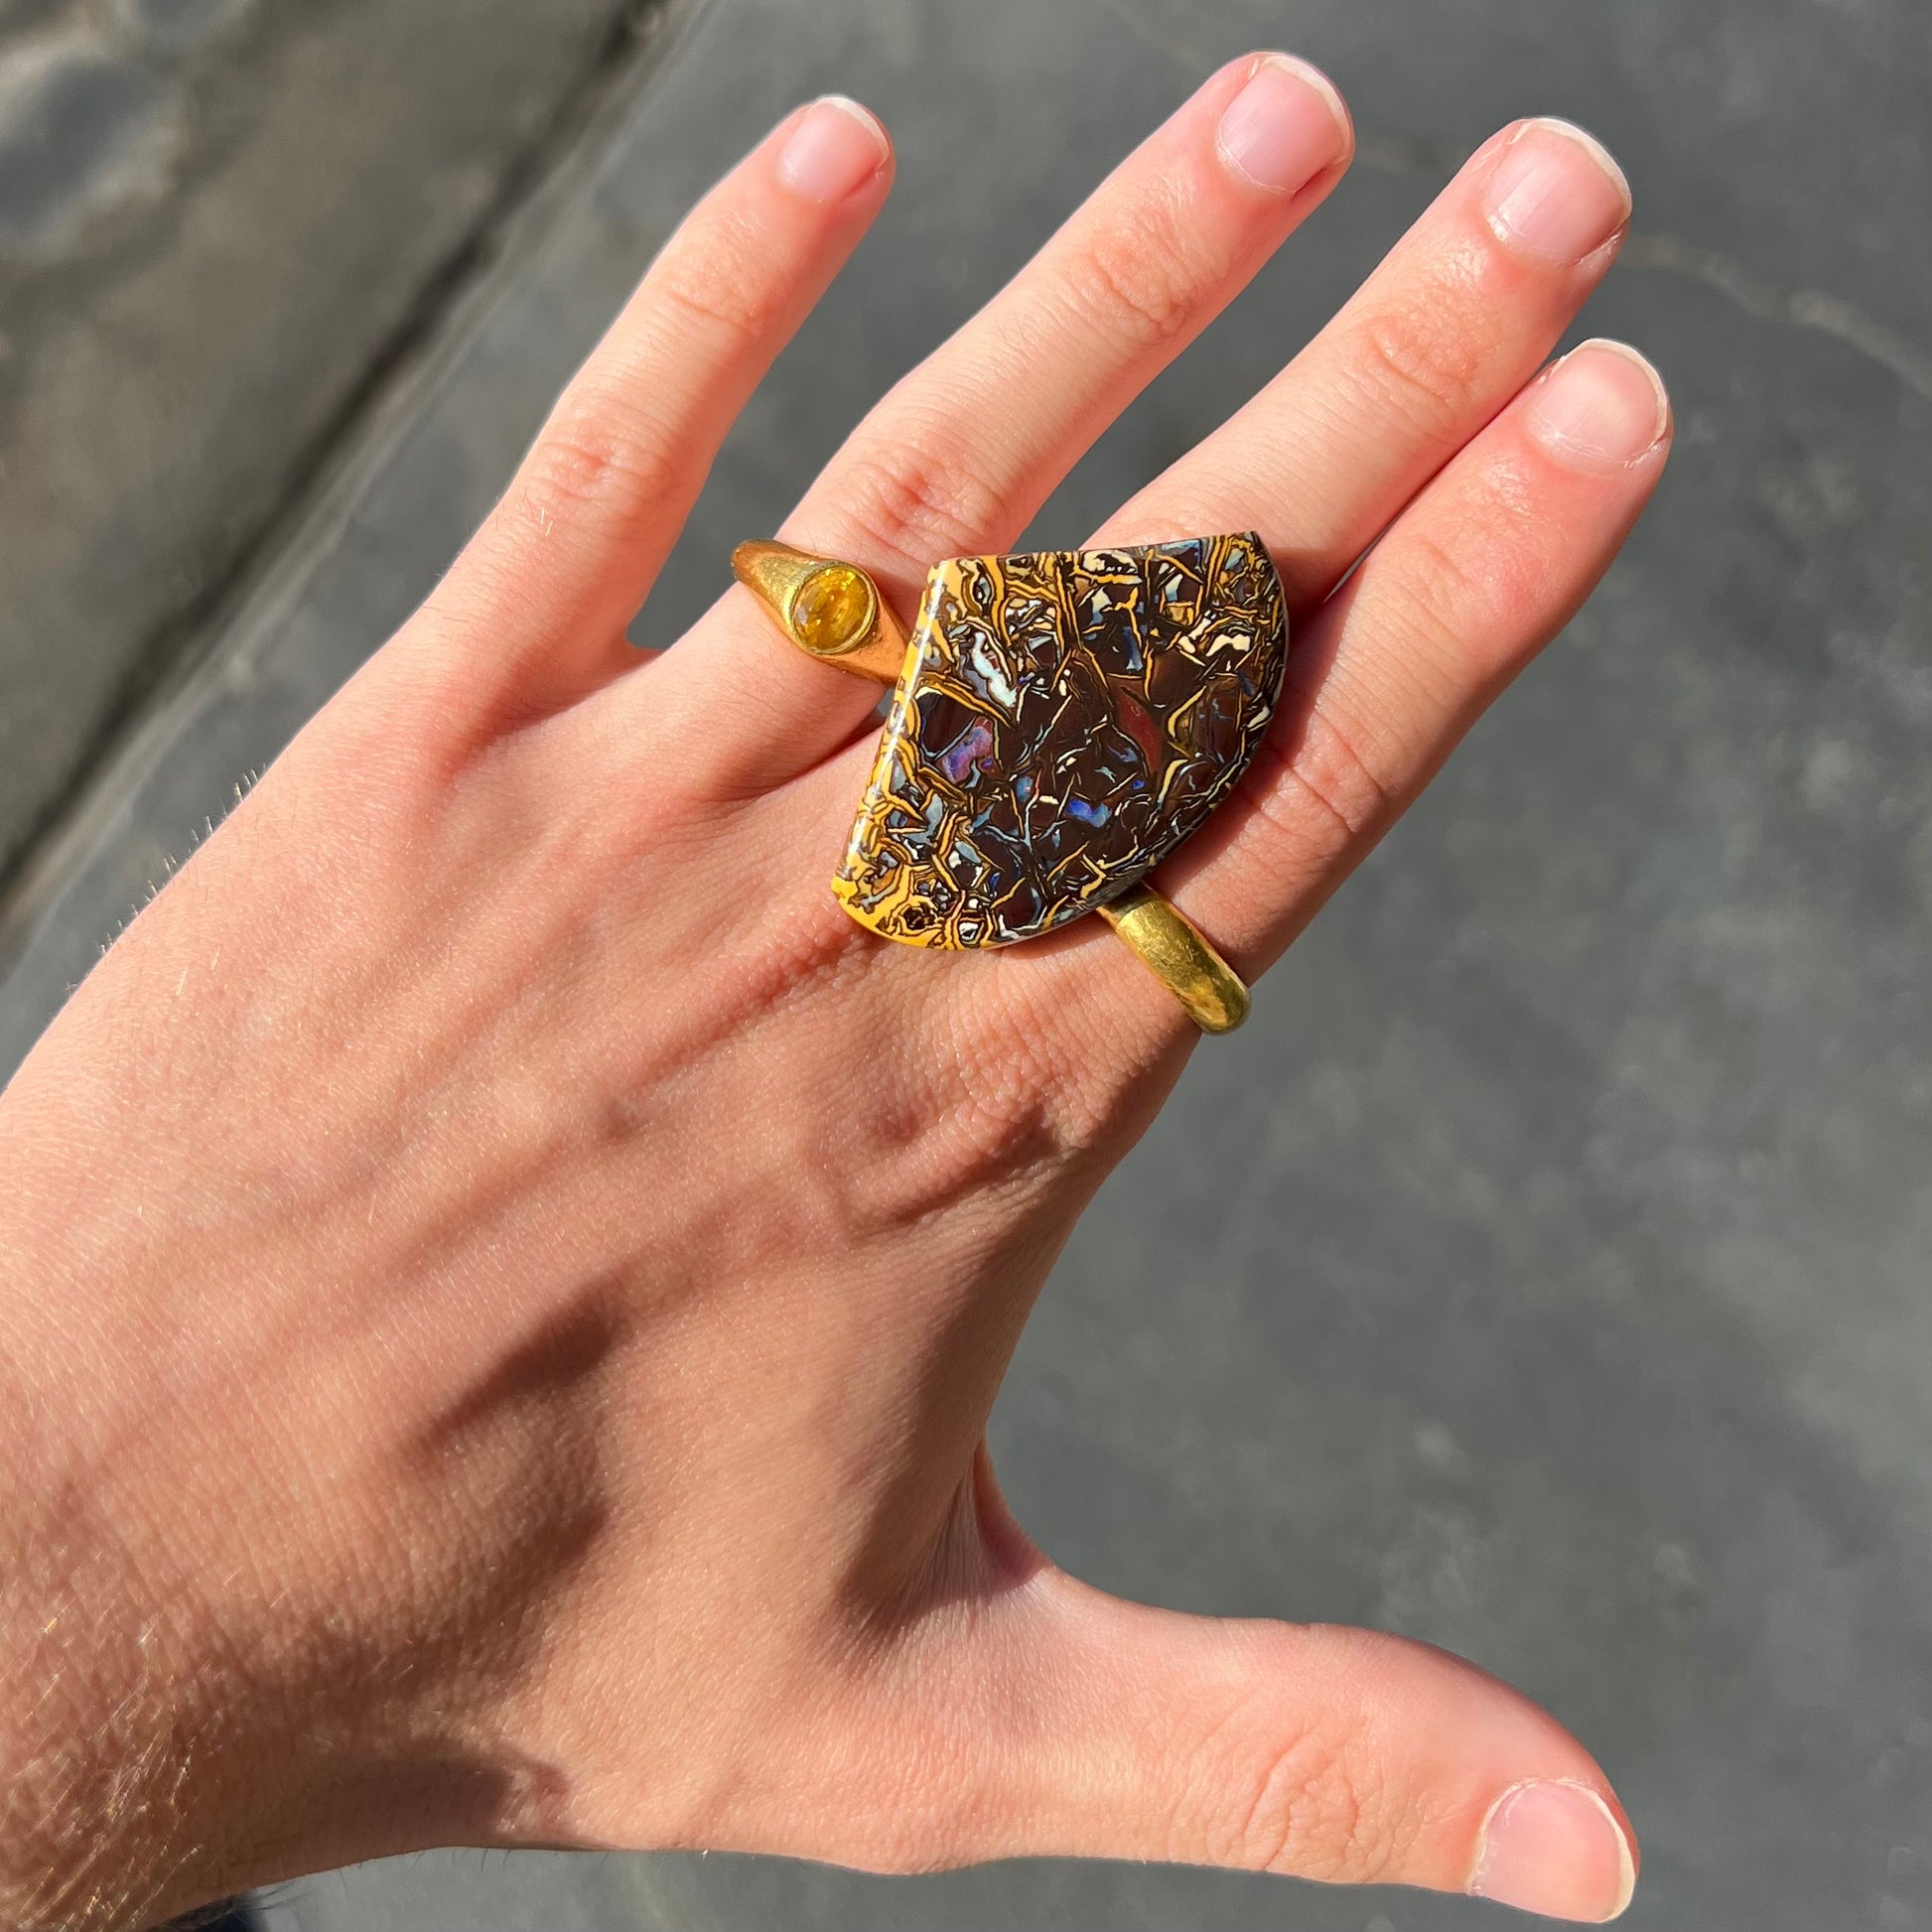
504 1282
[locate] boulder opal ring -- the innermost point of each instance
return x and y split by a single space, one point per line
1059 723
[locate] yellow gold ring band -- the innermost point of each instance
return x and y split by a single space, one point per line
1176 951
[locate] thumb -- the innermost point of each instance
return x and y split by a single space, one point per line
1110 1729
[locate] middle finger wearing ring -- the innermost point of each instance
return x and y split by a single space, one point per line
961 454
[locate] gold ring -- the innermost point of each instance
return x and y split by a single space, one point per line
1059 723
1178 953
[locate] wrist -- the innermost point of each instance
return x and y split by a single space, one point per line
132 1749
93 1798
180 1724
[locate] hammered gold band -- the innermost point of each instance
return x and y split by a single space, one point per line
1176 953
833 611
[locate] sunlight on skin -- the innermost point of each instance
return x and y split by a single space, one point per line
502 1356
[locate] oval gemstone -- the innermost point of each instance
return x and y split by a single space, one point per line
832 610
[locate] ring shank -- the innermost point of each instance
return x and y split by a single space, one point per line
1180 958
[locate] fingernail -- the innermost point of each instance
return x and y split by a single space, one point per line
836 148
1553 1847
1601 408
1284 127
1556 192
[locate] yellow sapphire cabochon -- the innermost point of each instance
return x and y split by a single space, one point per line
1063 721
831 609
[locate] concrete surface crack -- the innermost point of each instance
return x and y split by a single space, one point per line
1801 308
637 35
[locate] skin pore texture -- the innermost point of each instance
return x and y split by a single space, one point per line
502 1283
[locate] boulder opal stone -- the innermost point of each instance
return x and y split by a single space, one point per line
1063 721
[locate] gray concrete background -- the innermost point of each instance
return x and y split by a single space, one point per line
221 222
1546 1271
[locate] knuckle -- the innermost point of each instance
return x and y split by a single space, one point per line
1137 281
973 1113
915 507
992 1128
1314 1809
1441 576
1318 798
1426 357
1497 556
604 452
721 287
1315 1804
596 457
1462 588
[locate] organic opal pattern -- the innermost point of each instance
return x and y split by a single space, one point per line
1063 721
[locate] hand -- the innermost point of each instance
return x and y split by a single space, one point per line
502 1283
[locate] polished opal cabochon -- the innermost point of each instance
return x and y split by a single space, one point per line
1063 721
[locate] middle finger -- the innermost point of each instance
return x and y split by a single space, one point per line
1457 317
959 455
